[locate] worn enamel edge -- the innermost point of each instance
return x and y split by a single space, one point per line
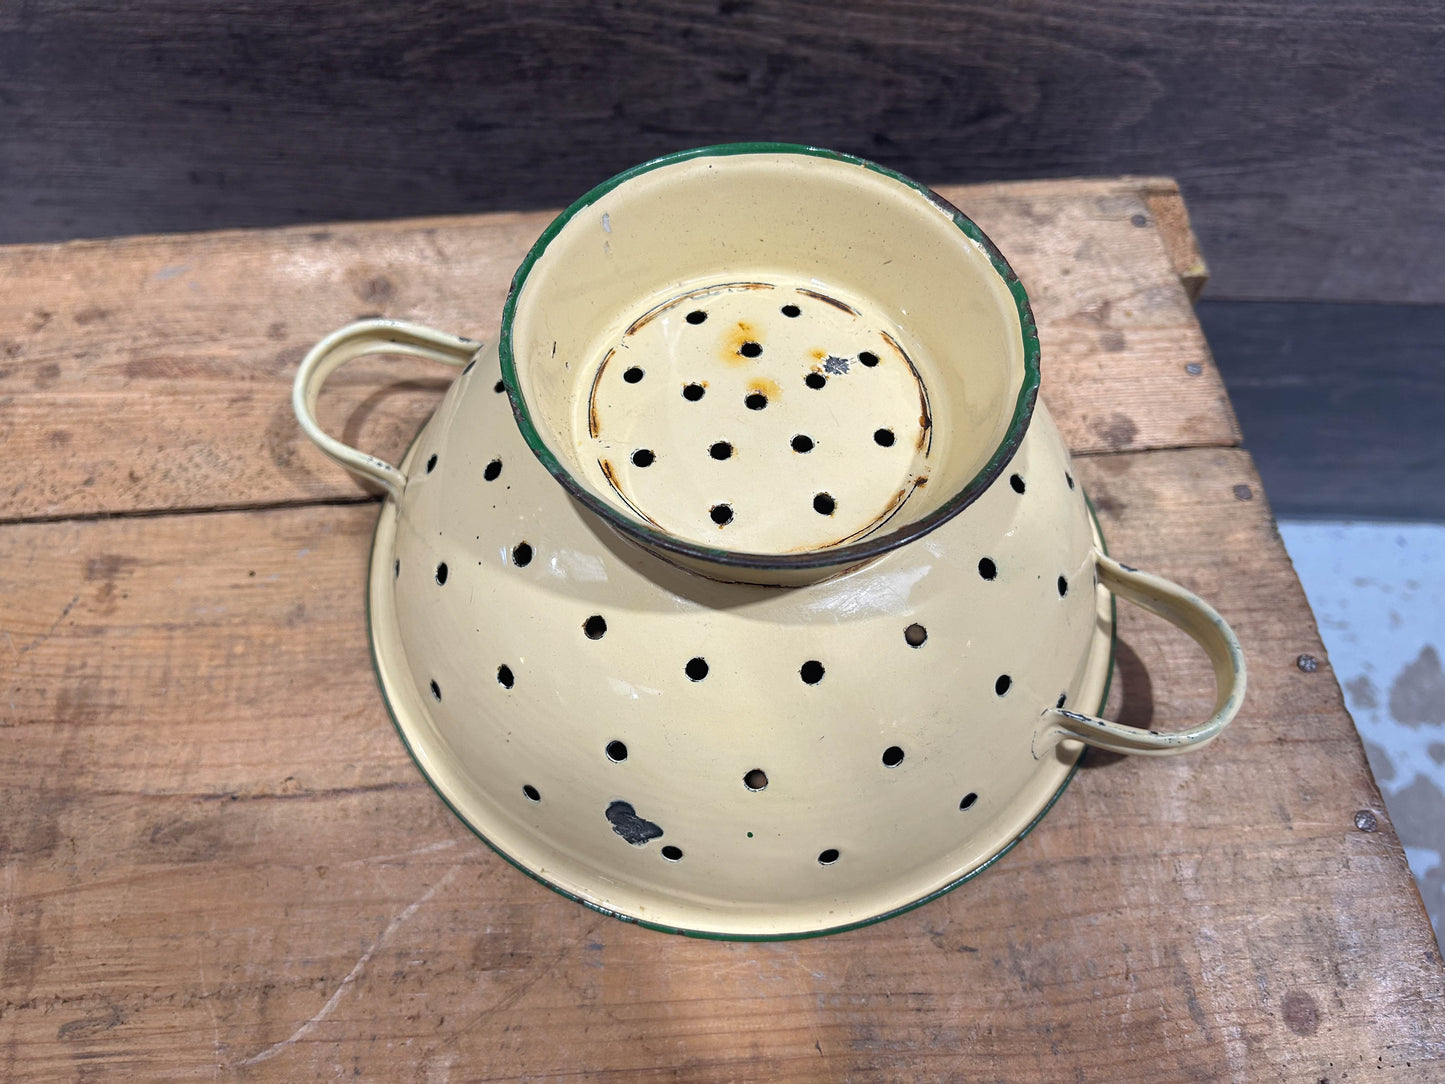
843 556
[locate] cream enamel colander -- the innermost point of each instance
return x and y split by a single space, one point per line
809 631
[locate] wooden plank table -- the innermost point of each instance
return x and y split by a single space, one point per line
217 860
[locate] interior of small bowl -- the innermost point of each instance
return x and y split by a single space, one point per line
773 352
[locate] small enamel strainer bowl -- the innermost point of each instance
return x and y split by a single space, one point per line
807 633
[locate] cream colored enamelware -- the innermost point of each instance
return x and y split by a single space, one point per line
811 628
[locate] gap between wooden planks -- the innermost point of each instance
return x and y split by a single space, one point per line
218 858
153 373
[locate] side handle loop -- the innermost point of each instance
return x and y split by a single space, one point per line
354 341
1187 612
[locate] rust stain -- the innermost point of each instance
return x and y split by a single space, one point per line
672 303
926 417
721 287
593 424
918 483
819 354
743 333
763 386
896 502
610 474
647 317
829 301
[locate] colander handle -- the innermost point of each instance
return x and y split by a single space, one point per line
1187 612
354 341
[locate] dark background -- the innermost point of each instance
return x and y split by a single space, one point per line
1309 139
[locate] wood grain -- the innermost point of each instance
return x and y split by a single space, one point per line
217 860
1308 136
154 373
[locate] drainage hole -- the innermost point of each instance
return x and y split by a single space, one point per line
441 573
1062 697
722 514
396 569
915 635
1069 478
757 779
493 469
824 504
750 350
883 437
1063 587
1001 686
756 401
499 387
986 568
1017 482
436 691
968 800
504 676
431 464
868 358
671 853
828 857
811 672
616 751
815 380
632 375
693 392
696 668
522 554
697 316
643 457
595 627
532 793
792 311
802 444
892 756
721 450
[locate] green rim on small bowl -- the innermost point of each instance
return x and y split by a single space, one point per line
858 552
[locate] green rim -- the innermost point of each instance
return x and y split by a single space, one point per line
859 551
713 935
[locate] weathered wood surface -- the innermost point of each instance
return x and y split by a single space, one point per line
153 373
1308 136
218 861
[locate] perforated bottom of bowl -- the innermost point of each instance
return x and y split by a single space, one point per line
729 760
766 416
